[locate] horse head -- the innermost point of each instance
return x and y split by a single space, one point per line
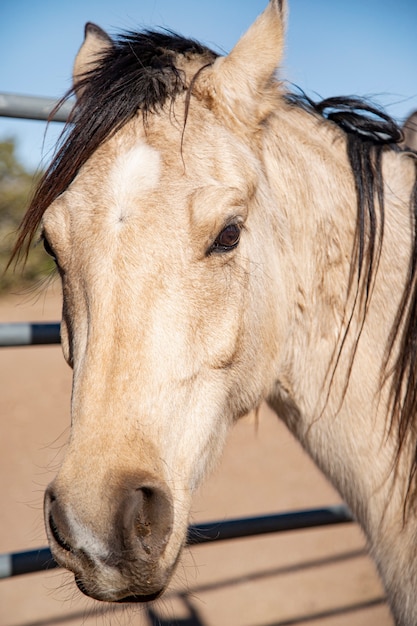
151 223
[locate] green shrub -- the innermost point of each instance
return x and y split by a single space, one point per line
16 186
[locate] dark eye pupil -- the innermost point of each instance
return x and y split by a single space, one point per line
229 236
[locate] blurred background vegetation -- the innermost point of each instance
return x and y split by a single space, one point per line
16 187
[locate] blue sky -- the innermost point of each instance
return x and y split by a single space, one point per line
334 47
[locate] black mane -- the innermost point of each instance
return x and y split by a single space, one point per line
370 132
356 116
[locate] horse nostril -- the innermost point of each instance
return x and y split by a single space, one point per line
56 518
57 536
147 515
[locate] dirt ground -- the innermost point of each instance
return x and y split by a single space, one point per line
320 576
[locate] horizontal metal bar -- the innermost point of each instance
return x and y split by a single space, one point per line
29 334
279 522
36 560
26 562
32 107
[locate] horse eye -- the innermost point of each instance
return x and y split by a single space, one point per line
48 248
227 239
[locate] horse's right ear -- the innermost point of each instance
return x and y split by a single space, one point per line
241 78
96 42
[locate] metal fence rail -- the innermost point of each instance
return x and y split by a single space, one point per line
32 107
32 561
29 334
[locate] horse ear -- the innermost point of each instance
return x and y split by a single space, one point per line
96 42
242 77
410 132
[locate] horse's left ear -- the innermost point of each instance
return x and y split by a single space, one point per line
96 42
242 77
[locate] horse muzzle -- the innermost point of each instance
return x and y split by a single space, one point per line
118 552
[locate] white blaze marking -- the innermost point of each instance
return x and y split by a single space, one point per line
134 173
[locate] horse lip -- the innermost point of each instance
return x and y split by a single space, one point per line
138 599
142 598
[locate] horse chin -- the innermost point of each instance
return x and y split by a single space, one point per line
130 598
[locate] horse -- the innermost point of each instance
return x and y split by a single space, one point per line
222 240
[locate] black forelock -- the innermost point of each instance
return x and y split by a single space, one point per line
140 71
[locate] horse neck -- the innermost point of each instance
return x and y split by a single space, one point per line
315 199
328 384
